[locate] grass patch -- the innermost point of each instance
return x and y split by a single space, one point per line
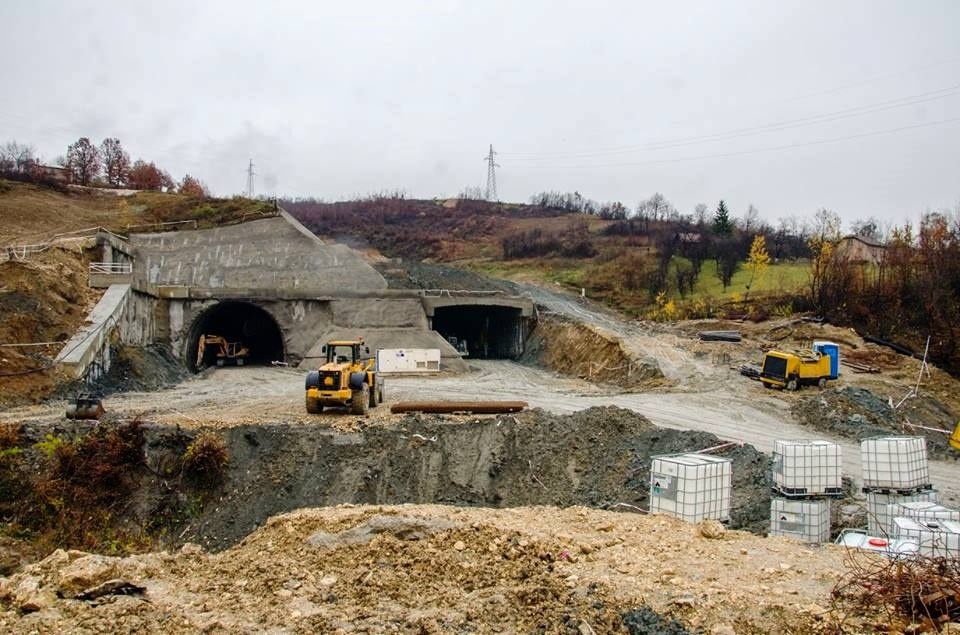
781 278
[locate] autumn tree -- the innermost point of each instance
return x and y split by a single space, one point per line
193 187
83 161
757 261
826 272
727 256
145 176
721 221
116 162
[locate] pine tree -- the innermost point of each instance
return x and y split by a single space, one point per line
721 221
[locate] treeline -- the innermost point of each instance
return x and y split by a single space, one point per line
909 291
84 163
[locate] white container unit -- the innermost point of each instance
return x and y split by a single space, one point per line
807 467
894 462
692 487
806 520
408 360
921 511
936 538
892 547
878 508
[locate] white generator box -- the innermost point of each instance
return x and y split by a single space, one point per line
936 538
408 360
921 511
878 508
692 487
895 462
806 520
807 467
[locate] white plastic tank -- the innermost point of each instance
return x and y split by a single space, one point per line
693 487
878 508
807 467
935 537
923 511
893 547
806 520
895 462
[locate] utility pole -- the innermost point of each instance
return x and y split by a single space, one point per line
491 194
250 174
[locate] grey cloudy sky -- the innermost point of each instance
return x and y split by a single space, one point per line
697 100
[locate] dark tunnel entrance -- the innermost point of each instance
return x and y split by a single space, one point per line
490 332
234 333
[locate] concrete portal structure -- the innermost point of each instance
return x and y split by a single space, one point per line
274 286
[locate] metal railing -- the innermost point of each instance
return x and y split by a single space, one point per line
111 268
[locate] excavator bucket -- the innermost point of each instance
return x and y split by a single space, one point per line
955 437
85 406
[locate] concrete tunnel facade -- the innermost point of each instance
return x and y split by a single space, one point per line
274 286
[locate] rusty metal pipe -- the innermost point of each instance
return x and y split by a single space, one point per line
449 407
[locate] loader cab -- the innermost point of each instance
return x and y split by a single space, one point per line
343 352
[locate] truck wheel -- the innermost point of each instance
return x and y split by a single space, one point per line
219 362
793 384
314 406
239 361
360 400
822 383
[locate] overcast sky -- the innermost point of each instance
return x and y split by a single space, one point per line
791 106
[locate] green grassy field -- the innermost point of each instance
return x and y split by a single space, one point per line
785 277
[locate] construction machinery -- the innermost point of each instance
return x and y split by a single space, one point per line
347 379
85 406
792 370
955 437
232 352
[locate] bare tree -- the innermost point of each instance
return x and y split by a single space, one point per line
83 161
700 214
116 162
16 158
868 228
751 220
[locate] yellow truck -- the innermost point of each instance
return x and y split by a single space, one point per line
348 379
792 370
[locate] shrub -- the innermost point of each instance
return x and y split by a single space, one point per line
205 461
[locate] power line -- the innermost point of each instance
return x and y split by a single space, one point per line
744 152
491 193
858 111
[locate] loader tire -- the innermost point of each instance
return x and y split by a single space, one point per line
380 391
373 397
360 400
822 383
239 362
793 384
314 406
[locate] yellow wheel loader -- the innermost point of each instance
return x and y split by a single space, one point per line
347 379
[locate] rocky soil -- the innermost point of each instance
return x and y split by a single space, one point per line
438 569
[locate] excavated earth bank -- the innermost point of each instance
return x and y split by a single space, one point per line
598 458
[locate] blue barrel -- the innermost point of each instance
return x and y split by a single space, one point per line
832 351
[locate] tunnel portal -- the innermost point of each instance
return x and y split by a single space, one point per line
490 331
239 323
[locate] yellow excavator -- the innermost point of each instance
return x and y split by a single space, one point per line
233 352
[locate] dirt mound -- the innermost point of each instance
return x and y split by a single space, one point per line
42 299
598 457
142 368
433 569
858 413
579 349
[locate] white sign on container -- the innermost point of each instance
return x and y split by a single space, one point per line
895 462
807 520
408 360
692 487
807 467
